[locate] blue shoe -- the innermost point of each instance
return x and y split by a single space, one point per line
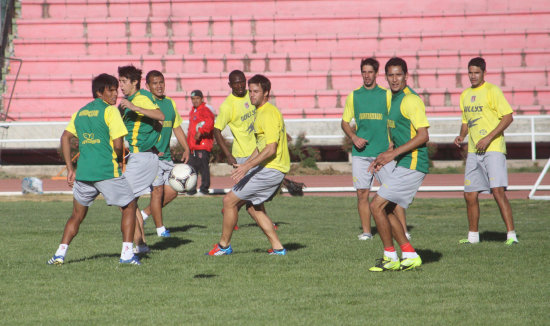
56 260
165 234
132 261
219 251
279 252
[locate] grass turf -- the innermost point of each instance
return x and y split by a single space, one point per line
322 281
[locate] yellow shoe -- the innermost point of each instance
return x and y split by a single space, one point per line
511 242
384 265
410 263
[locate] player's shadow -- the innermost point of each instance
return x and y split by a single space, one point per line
202 276
249 225
429 256
374 230
98 256
185 228
291 246
492 236
167 243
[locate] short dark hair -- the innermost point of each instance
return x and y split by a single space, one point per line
478 62
153 73
371 62
396 61
132 73
261 80
235 73
100 82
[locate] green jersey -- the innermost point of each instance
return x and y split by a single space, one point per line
172 120
143 132
407 115
95 126
369 108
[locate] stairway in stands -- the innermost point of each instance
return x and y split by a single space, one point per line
310 49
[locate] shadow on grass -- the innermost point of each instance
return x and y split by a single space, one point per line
492 236
185 228
249 225
98 256
374 230
171 242
201 276
429 256
292 246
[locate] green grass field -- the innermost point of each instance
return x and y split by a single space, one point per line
324 279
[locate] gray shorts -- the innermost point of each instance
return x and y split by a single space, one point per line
163 173
485 171
259 185
241 160
362 178
116 191
401 186
141 171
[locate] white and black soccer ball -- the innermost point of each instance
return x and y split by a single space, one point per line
182 178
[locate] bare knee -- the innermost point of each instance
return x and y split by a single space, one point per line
471 197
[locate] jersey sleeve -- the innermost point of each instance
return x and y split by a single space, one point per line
177 120
464 120
144 102
272 126
114 122
224 116
70 127
499 102
349 112
413 109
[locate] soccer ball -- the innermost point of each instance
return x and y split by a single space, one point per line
182 178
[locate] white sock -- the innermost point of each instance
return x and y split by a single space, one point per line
144 215
127 250
473 237
406 255
62 250
160 230
392 255
512 235
408 235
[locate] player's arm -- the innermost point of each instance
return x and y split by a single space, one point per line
182 139
66 151
155 114
484 142
240 171
345 124
462 134
223 145
118 147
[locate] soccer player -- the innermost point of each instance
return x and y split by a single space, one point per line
368 106
485 116
100 131
142 119
162 193
201 140
259 178
408 128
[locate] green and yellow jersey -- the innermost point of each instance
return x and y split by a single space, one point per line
143 132
95 126
369 108
408 114
172 119
238 113
482 109
269 128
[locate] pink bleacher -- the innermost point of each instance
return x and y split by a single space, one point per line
310 49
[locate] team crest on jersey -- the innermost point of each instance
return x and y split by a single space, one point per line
246 105
90 139
473 99
483 132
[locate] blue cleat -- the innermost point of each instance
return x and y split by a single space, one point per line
56 260
132 261
165 234
278 252
219 251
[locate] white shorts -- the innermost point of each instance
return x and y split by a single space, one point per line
163 173
485 171
362 178
116 191
259 185
241 160
401 186
141 171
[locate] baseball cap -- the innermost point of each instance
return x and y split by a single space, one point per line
196 93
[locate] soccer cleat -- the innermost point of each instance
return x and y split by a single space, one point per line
165 234
142 249
385 265
132 261
56 260
275 227
236 227
279 252
511 242
465 241
365 236
410 263
219 251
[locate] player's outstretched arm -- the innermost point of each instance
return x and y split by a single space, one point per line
66 151
182 139
221 142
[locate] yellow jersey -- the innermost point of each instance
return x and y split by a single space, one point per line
269 128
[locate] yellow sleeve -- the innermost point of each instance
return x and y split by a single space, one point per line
224 117
499 102
178 120
413 109
70 127
272 125
144 102
388 99
114 122
464 120
349 112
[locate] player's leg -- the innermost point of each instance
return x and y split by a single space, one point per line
127 227
390 260
265 223
230 214
475 181
204 171
506 212
401 214
139 234
364 213
362 181
169 195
